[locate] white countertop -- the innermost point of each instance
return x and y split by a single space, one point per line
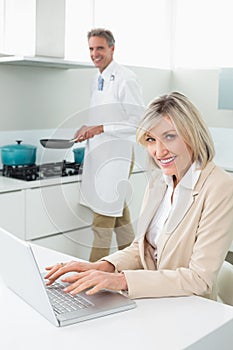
8 184
163 323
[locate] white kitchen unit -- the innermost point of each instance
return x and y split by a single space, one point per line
43 208
48 212
55 219
31 36
12 208
77 236
54 209
77 242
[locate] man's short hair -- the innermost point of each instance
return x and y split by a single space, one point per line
103 33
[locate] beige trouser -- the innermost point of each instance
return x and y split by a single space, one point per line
103 227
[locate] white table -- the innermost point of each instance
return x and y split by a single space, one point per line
163 324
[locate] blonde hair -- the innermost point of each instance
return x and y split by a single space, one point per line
187 121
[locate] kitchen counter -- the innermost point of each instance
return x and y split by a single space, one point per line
28 210
191 323
8 184
50 212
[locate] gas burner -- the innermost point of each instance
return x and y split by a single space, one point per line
58 169
21 172
43 171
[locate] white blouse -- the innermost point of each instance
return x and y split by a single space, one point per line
189 180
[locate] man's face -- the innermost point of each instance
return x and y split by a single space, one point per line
101 54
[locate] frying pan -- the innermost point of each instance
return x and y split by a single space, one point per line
57 143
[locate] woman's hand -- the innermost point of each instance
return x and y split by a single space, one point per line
95 280
60 269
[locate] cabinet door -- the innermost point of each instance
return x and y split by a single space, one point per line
79 242
12 209
76 243
54 209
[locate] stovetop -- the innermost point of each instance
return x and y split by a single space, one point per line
43 171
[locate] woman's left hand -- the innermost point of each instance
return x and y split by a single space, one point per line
95 280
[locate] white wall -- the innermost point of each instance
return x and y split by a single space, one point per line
35 101
41 103
154 81
201 86
43 98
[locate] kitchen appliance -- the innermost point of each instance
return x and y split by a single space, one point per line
57 143
18 154
33 172
60 308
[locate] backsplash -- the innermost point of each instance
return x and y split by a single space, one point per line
222 139
33 137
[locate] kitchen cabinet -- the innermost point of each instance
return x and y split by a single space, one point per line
54 209
78 242
48 212
12 207
31 36
44 62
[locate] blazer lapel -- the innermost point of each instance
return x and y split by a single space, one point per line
175 217
155 197
186 200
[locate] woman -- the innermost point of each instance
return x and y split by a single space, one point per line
186 223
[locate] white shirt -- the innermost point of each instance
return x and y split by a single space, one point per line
166 207
119 105
119 108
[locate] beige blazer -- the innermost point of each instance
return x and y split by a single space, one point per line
192 245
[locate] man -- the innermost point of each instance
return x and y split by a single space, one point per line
116 108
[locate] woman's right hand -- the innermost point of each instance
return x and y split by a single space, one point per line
60 269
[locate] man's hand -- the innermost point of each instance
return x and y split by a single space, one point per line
87 132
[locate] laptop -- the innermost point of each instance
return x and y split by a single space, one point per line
21 274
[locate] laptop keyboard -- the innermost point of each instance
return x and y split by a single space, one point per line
64 302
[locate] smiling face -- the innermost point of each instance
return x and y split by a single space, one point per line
168 149
101 54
